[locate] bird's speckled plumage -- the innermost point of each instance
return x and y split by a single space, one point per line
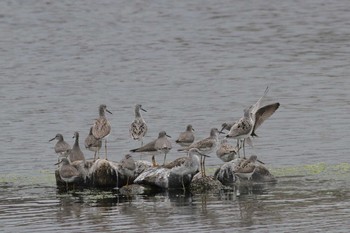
138 127
226 152
101 127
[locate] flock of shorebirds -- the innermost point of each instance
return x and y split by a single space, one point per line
242 130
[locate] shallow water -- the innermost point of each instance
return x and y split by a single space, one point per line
185 62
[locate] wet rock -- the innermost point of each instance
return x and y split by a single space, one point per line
205 184
163 178
102 173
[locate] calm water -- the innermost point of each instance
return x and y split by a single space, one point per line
194 62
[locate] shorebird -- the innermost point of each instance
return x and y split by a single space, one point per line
246 168
176 174
161 144
206 145
92 144
101 127
227 126
138 127
67 172
187 137
243 128
61 146
76 154
127 165
226 152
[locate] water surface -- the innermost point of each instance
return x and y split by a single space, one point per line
186 62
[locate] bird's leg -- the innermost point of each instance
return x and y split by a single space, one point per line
204 167
106 148
95 156
244 148
183 185
164 158
238 148
201 167
154 164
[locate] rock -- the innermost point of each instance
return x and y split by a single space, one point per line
163 178
102 173
201 184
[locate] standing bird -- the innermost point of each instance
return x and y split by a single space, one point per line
161 144
226 152
93 144
76 154
246 168
138 127
243 128
228 126
187 137
101 127
206 145
61 146
67 172
127 165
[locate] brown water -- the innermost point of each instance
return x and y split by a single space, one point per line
195 62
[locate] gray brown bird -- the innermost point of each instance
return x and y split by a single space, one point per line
76 154
243 128
226 152
101 127
187 137
93 144
206 145
138 127
246 168
67 172
159 145
127 165
61 146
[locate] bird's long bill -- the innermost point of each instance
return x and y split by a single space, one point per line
260 161
222 130
58 162
167 135
143 109
52 139
108 111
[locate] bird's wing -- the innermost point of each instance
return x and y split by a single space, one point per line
262 114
